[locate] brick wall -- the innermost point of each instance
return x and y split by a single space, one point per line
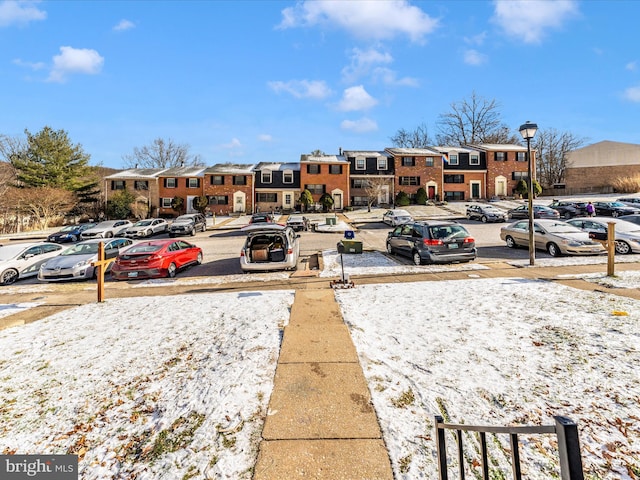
331 181
420 169
228 189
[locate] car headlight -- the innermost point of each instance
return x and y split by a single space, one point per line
82 263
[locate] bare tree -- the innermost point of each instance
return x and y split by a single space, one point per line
42 205
473 120
374 188
551 148
162 154
418 138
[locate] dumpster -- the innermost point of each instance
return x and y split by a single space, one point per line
352 246
331 220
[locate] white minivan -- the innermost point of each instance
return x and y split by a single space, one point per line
269 246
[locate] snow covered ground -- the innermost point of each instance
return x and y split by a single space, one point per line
139 391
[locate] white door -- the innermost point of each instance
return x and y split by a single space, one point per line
239 202
189 205
383 196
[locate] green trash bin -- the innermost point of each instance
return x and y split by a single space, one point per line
352 246
331 220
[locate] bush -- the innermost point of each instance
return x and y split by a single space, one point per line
402 199
626 184
421 196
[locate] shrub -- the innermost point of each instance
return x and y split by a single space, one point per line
421 196
626 184
402 199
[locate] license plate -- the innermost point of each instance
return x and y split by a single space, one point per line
132 274
453 245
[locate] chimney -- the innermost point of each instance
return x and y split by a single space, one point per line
340 150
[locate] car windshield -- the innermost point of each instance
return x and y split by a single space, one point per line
561 227
7 252
142 223
105 225
68 228
491 209
82 249
617 204
184 219
143 249
627 227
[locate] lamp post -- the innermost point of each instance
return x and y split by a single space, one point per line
528 131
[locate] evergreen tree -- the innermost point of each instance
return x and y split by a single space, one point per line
119 205
49 159
402 199
306 199
326 200
421 196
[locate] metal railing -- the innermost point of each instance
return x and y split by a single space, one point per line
565 429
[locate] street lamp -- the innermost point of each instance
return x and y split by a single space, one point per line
528 131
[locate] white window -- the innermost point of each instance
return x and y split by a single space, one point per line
166 202
287 176
382 163
453 159
360 164
474 159
171 182
193 182
266 176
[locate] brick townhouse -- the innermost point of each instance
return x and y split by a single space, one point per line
505 166
277 186
371 177
415 168
141 182
322 174
229 188
184 182
464 173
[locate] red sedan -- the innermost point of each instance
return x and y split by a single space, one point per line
155 258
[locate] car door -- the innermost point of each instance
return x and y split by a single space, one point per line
395 239
596 230
29 262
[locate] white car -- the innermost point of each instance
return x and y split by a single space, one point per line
147 228
269 246
396 217
106 229
24 259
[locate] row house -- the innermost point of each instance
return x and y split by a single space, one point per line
464 173
143 183
184 182
277 186
322 174
371 178
506 165
230 188
416 168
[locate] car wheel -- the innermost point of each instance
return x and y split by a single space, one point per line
468 217
199 259
615 214
417 260
553 250
484 219
511 243
390 249
108 235
193 232
171 270
73 238
9 277
622 247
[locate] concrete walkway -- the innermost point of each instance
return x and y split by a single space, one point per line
320 423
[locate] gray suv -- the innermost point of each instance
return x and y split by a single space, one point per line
188 224
432 242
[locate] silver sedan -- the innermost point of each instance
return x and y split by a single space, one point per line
627 234
554 236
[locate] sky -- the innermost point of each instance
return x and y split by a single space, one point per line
252 81
513 351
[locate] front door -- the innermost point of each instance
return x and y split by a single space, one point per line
337 199
475 189
431 192
239 202
190 208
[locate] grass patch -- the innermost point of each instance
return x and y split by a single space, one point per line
405 399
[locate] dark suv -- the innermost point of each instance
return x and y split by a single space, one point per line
432 242
188 224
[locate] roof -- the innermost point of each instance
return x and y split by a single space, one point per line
498 147
605 153
366 153
448 149
137 173
184 172
304 158
413 151
274 166
231 168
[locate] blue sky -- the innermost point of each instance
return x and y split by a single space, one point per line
251 81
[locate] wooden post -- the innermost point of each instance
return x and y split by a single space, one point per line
101 266
611 248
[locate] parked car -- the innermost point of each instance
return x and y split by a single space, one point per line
261 218
539 211
627 234
70 233
298 223
614 209
568 209
269 246
554 236
485 213
155 258
74 263
147 228
432 242
631 218
22 260
188 224
107 229
631 201
396 217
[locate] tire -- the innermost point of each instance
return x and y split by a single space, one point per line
74 238
417 260
194 231
199 259
171 270
553 250
511 243
622 248
484 219
390 249
108 235
9 276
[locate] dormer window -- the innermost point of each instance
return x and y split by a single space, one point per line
287 176
266 176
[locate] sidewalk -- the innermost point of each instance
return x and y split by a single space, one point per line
320 423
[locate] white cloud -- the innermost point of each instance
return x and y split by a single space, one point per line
360 126
232 145
316 89
632 66
75 60
476 39
19 13
390 77
530 19
362 61
475 58
356 98
632 94
370 19
31 65
124 25
265 137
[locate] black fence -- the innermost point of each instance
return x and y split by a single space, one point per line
565 429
